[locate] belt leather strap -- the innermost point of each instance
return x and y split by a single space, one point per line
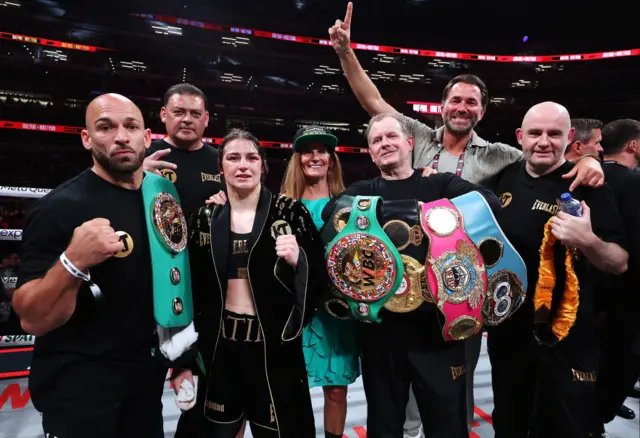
167 230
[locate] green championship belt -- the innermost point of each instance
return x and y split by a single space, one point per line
167 229
362 262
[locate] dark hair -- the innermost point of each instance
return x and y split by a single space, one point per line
584 129
617 134
471 80
187 89
241 134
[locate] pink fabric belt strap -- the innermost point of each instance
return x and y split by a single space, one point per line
455 270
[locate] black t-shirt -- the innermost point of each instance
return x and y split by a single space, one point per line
422 328
103 353
197 176
528 204
625 184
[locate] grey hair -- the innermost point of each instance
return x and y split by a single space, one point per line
584 129
402 121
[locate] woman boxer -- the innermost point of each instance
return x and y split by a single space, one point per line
262 259
314 175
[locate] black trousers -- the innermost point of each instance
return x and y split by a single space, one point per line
139 416
438 381
541 391
619 367
239 389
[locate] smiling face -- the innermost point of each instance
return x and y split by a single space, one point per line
315 159
546 131
389 147
241 165
462 109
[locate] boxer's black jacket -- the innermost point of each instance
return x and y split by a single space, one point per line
197 176
421 328
103 353
285 299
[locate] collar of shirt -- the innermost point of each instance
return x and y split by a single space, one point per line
475 141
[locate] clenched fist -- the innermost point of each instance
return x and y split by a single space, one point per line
92 243
287 248
340 33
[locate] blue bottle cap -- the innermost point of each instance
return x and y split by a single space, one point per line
565 197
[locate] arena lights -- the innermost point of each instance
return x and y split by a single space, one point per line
51 43
395 50
59 129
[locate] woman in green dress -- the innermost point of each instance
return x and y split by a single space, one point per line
314 175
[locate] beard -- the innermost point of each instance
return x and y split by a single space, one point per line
118 166
460 130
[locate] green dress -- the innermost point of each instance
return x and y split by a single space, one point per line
330 347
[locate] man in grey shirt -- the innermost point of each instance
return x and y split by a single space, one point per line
454 148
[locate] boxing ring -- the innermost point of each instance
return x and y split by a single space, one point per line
19 419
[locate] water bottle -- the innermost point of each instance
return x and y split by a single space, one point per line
569 205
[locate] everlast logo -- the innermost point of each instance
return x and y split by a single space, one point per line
458 371
13 234
549 208
215 406
582 376
210 177
205 239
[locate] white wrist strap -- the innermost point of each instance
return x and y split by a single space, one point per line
77 273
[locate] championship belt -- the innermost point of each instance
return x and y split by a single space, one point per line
455 270
506 271
402 225
336 305
362 262
167 229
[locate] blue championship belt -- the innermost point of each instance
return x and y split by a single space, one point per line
362 262
167 230
506 271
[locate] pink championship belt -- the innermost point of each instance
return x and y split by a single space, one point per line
455 270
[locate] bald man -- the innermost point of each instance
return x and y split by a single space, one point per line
93 373
544 361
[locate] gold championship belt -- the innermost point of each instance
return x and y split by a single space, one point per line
402 225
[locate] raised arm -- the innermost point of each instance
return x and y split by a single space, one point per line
364 89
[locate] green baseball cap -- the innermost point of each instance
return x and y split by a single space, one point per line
314 134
